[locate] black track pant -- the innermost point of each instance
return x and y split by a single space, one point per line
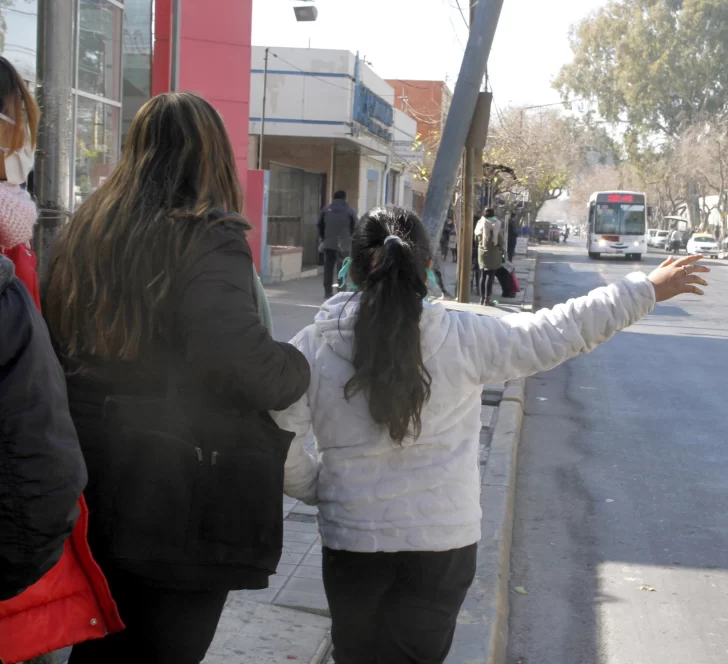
487 277
162 626
396 608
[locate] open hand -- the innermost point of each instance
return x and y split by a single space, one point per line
675 277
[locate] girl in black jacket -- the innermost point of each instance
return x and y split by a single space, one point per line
171 374
42 473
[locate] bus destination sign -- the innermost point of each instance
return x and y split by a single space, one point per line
637 199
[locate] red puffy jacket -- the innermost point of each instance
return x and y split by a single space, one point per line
69 605
25 268
72 603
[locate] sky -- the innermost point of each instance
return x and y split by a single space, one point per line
424 39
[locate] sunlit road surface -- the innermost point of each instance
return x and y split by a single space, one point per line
621 536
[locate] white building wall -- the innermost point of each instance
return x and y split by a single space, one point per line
305 104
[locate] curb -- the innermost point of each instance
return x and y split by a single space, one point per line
324 650
482 632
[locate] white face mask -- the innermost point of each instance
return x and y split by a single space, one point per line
19 164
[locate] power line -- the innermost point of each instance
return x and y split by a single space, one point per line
462 13
455 30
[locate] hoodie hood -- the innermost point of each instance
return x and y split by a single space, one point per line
7 272
336 319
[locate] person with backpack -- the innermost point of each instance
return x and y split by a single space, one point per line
158 317
489 233
395 406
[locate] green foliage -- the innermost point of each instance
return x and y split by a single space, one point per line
657 65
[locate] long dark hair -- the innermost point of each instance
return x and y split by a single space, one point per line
390 256
17 103
113 265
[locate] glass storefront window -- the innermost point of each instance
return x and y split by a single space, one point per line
137 60
97 145
19 35
99 48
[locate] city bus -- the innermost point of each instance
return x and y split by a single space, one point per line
617 224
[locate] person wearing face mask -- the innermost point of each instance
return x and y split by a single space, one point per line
18 129
52 592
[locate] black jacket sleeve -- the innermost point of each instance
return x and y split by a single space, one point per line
42 472
223 338
322 224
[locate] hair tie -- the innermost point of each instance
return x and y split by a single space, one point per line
393 238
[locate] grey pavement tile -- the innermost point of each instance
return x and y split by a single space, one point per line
253 633
277 581
307 601
296 536
302 508
308 572
313 560
289 558
267 596
285 569
302 527
300 584
297 547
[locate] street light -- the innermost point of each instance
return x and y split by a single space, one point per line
306 13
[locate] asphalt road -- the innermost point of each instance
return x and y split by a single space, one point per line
623 485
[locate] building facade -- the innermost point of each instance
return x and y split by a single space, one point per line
122 56
428 102
330 124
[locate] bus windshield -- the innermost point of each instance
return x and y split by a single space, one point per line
620 219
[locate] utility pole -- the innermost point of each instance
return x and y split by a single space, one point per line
462 111
465 253
262 115
52 179
176 45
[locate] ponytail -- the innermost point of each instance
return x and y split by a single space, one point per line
390 255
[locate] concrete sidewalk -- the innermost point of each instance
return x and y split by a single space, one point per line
289 621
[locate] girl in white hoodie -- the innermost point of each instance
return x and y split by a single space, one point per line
394 404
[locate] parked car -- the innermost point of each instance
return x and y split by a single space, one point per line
657 238
541 231
704 244
554 234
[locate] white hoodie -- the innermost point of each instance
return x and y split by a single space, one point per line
374 495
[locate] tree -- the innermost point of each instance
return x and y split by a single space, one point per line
703 153
540 150
656 65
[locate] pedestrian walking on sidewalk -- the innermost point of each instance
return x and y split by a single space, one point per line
394 404
489 233
335 226
512 237
157 315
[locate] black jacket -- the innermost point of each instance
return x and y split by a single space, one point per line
42 473
336 225
186 491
